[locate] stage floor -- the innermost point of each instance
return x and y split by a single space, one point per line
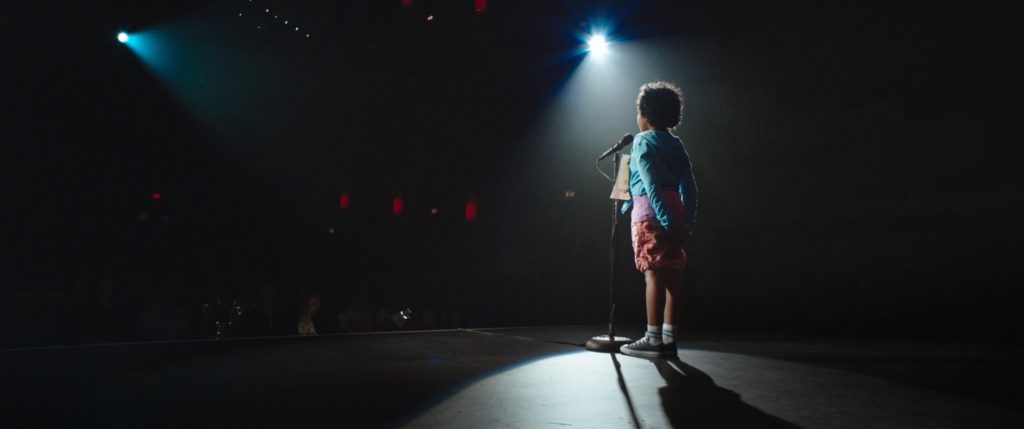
521 378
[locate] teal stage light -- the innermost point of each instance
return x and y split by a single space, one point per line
122 37
597 44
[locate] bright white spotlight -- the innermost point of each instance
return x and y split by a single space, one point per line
122 37
597 44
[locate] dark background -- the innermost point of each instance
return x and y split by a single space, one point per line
857 166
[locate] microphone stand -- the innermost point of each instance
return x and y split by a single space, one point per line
610 343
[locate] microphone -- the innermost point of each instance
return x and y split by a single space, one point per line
626 140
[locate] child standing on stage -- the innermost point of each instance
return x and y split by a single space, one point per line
664 202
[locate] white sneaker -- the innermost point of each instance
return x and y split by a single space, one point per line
644 347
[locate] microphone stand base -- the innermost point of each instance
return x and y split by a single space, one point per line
602 344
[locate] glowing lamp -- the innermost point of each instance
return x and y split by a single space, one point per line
397 206
597 44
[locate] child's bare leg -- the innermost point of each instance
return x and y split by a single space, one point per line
655 294
672 281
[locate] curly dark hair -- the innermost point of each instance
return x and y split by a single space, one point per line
661 103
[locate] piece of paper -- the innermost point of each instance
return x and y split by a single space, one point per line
620 191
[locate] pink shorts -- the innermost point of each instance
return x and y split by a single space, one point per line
655 249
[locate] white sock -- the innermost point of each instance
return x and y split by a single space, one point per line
653 334
668 333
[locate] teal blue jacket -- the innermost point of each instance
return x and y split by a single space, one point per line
659 162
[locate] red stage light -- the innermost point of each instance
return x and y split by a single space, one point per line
343 200
156 195
406 3
470 211
397 205
480 6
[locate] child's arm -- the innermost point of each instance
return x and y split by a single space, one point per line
688 191
647 160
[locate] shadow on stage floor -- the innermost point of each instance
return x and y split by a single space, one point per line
690 398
